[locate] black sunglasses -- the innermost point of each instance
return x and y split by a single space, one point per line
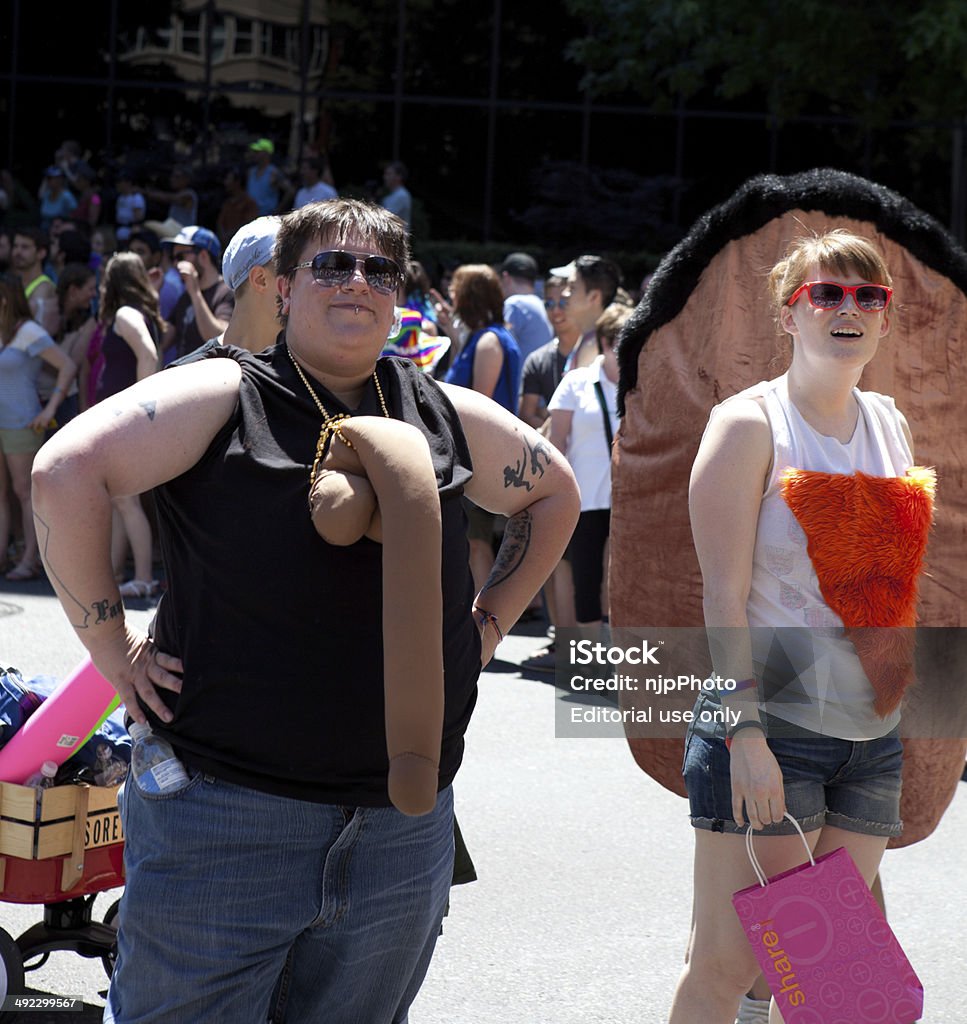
551 304
335 267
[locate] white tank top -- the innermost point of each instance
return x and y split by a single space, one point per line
812 675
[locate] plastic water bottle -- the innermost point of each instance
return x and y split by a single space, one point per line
154 763
44 777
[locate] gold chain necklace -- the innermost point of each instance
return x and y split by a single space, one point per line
331 425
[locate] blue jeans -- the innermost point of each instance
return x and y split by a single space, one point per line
224 883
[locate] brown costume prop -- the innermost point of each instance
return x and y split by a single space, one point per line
704 331
384 487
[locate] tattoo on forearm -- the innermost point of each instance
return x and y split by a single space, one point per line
529 464
513 548
79 616
106 611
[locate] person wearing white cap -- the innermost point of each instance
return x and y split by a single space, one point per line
592 283
248 270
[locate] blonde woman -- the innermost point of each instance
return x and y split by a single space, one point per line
818 746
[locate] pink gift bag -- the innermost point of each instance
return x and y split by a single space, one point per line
824 945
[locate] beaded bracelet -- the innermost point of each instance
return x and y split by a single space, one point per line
485 618
749 723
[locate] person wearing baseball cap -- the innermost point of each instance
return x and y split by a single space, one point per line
265 182
592 285
523 308
249 271
204 310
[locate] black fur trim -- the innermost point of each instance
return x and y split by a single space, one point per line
758 201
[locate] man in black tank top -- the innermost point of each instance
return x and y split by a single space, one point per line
264 669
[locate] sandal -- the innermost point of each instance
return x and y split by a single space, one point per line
543 661
22 572
138 588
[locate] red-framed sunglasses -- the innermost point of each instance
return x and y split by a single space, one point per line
871 298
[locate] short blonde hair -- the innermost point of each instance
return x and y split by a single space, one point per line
609 324
838 250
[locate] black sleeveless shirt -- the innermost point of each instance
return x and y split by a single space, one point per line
280 633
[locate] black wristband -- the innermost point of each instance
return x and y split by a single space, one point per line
747 723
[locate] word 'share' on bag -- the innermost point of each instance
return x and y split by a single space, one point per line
824 946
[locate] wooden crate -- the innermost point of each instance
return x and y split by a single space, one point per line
72 819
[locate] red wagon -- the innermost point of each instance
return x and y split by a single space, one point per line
59 848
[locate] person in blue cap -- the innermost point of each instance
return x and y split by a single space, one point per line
206 307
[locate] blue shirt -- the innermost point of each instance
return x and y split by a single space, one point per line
528 321
508 383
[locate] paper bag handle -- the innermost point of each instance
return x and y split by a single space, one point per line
757 867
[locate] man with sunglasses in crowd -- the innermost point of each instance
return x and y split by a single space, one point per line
282 855
206 306
592 284
543 370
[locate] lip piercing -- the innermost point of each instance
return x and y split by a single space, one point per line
356 310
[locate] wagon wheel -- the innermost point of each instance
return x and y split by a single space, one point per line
11 970
110 918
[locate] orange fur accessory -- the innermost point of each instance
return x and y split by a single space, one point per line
866 537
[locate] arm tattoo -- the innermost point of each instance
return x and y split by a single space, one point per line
78 613
528 464
150 406
106 611
513 548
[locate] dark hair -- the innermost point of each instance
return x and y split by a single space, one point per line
331 223
74 247
477 295
598 273
126 284
417 279
146 235
74 275
38 236
237 172
398 168
318 163
14 307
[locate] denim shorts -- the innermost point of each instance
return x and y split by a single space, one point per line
849 784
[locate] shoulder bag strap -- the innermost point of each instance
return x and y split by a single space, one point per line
599 391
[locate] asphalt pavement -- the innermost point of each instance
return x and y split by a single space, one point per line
580 913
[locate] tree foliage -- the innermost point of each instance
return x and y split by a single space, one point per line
873 63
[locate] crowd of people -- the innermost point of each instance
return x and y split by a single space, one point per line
85 329
492 429
504 331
